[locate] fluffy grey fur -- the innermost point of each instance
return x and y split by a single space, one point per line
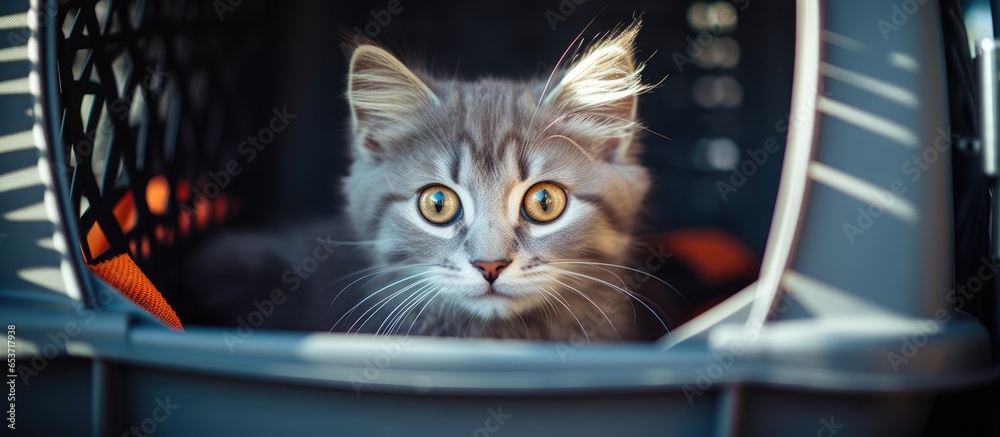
490 140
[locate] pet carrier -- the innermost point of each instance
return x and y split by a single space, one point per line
121 135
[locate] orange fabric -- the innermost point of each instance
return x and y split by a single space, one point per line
122 273
716 257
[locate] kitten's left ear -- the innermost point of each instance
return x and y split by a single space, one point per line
603 85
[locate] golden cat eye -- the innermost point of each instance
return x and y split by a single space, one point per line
544 202
439 204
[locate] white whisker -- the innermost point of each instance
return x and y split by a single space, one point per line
377 292
378 271
584 295
630 269
426 304
381 304
402 308
420 294
578 146
624 287
625 292
570 311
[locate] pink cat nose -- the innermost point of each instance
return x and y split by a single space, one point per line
491 269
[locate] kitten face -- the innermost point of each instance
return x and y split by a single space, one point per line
483 194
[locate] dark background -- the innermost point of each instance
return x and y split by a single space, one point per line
299 64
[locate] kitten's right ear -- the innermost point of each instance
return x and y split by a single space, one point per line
603 86
382 93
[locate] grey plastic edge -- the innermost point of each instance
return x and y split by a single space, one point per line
792 190
847 116
842 350
36 261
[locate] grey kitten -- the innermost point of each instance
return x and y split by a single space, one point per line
489 208
513 198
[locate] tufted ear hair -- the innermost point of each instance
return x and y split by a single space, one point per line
603 86
382 93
